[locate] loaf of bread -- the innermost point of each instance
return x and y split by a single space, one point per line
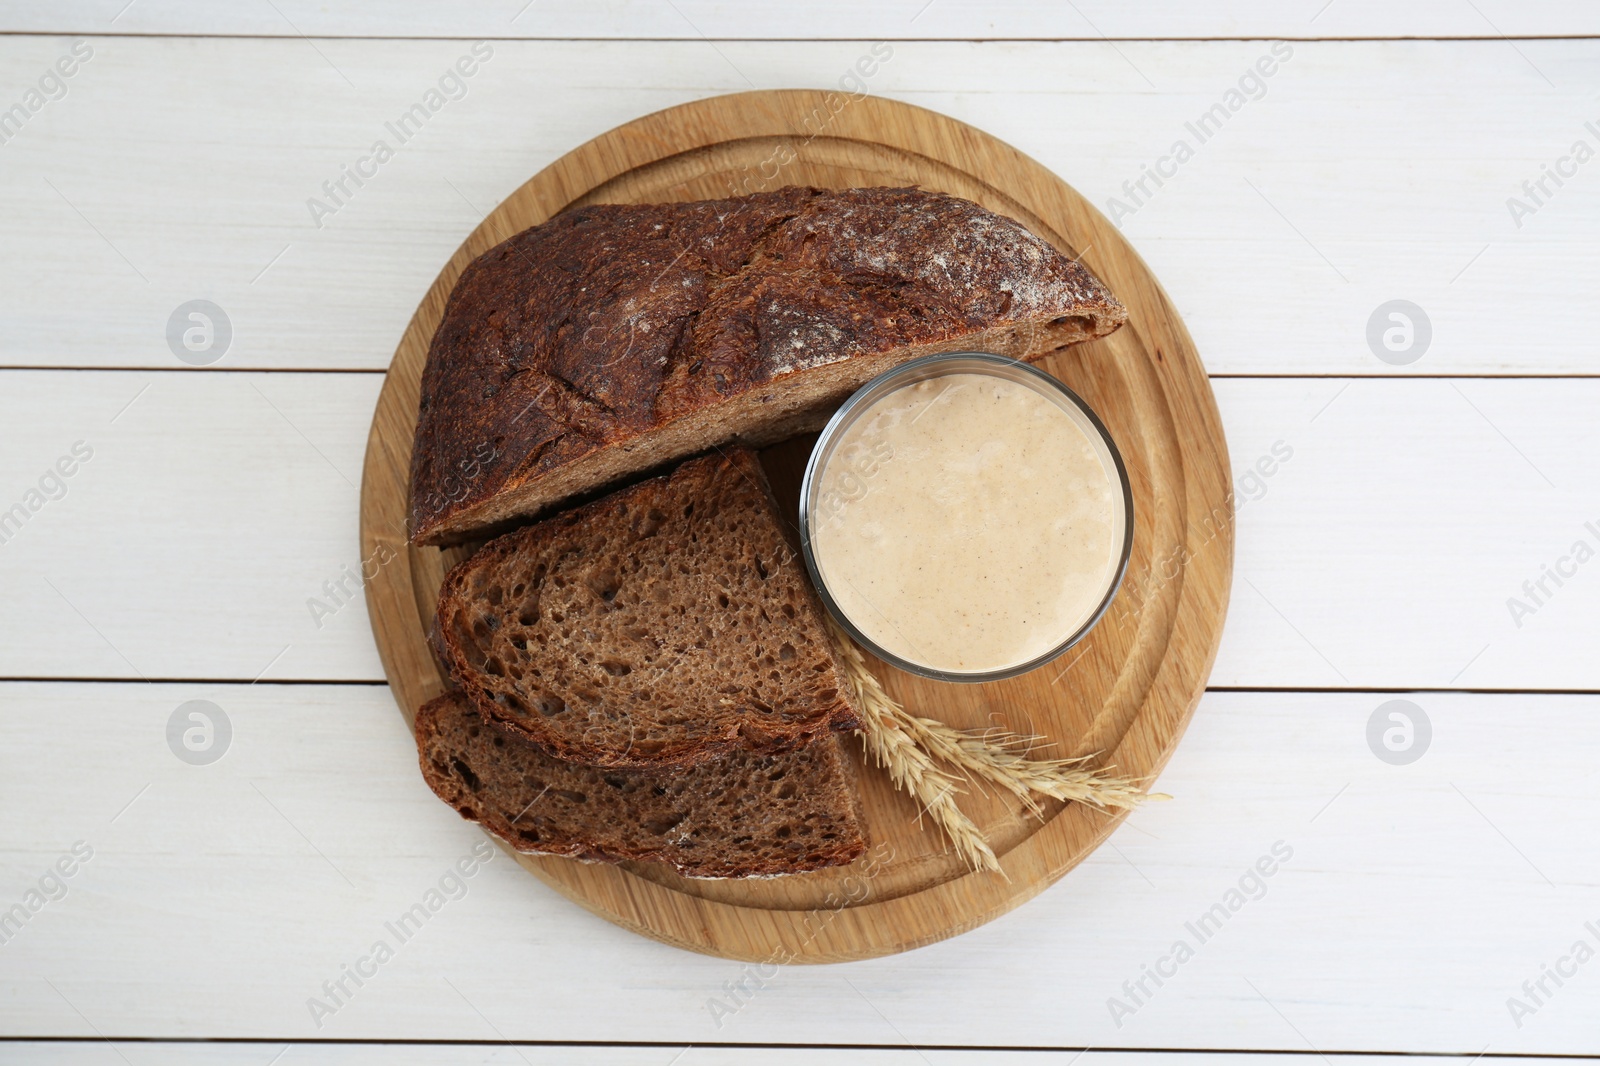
615 338
743 815
664 624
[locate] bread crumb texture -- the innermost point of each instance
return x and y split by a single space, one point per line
662 624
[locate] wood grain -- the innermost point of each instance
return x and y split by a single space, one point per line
1128 690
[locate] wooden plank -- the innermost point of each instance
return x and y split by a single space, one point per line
966 19
181 169
160 1053
220 897
157 561
1381 552
1392 555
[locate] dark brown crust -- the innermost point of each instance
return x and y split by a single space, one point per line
524 797
618 337
662 625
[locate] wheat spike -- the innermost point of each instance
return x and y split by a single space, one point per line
907 745
995 757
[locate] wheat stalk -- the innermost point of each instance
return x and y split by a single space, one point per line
906 746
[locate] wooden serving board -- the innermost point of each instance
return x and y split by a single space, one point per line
1126 692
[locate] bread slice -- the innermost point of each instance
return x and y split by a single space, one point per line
619 337
744 815
661 625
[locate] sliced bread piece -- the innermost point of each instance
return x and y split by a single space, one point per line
617 337
743 815
661 625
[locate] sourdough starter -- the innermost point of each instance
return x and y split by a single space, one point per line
967 523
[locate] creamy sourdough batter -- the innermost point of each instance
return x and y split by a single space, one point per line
967 523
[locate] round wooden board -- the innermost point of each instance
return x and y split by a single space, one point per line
1126 692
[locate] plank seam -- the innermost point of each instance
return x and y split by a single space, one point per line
751 1045
1492 38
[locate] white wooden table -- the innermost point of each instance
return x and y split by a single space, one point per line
1414 499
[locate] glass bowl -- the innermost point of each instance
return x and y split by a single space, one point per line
816 503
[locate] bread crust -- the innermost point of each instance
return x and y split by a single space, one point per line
618 337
